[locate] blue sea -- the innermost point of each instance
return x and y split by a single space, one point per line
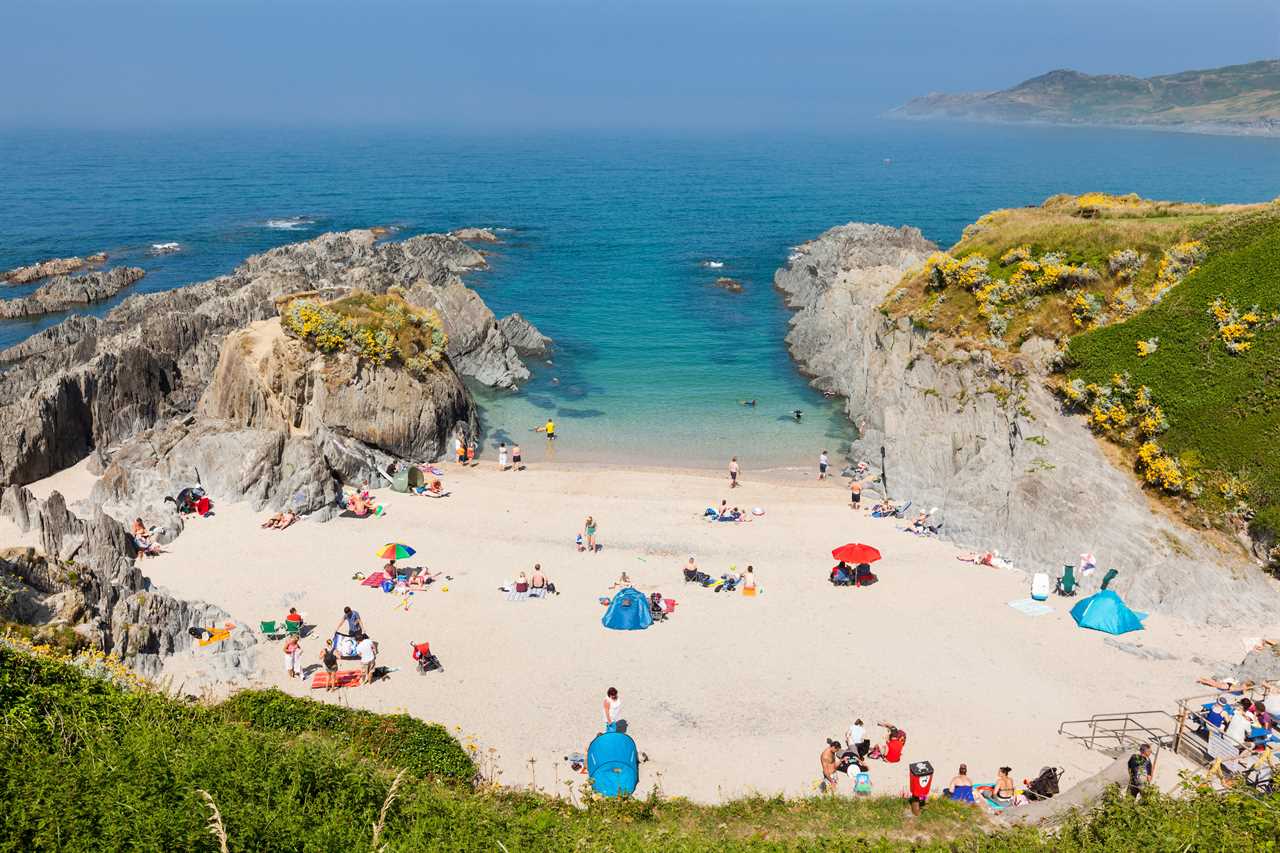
609 241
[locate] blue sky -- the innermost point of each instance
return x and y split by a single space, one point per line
498 64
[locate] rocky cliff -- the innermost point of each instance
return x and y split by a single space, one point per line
90 383
63 292
986 443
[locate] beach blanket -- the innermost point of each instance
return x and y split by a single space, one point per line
374 579
215 637
1030 607
517 596
341 678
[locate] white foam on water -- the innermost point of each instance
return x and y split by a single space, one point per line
713 265
165 248
289 223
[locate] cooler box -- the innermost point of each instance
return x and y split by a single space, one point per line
1040 586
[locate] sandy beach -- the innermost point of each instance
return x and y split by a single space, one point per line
729 696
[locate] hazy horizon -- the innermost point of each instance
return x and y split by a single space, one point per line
707 64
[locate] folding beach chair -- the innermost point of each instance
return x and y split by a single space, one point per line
1067 583
1109 577
293 629
272 630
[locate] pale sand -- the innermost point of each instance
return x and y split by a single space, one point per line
732 694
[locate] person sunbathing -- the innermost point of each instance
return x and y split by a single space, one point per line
360 504
961 787
522 583
422 577
142 540
280 520
1004 792
537 580
621 582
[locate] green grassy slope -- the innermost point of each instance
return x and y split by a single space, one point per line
1223 409
87 765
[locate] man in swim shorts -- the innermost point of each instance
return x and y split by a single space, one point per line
855 494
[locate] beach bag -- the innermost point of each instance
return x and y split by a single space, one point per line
1040 586
862 783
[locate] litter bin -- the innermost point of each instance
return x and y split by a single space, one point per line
921 781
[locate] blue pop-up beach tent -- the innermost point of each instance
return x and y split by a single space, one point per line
1106 611
613 764
629 611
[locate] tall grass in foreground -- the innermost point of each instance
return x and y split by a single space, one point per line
88 765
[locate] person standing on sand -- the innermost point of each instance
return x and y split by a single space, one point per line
293 657
502 456
733 473
589 533
515 458
460 449
612 710
329 660
822 465
367 649
855 494
829 767
471 453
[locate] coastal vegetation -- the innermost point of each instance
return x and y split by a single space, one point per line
378 329
1167 320
95 758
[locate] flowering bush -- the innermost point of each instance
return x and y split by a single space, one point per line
1235 328
1160 469
1124 264
1015 255
1085 308
376 329
969 272
1105 200
1178 261
1145 348
1117 409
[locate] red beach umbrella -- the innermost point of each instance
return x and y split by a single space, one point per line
856 552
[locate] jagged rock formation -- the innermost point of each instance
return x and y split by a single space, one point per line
87 575
524 336
475 235
65 292
987 443
53 266
91 382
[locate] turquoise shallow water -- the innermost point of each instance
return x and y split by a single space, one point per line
607 243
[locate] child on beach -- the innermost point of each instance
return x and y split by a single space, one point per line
460 449
733 473
855 494
471 453
293 657
502 456
822 465
515 458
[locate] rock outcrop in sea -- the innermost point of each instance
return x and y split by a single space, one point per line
988 444
63 292
53 266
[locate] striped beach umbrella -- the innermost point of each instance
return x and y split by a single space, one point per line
395 551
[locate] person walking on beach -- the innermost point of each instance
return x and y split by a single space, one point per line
1141 770
589 533
822 465
855 494
293 657
733 473
613 711
329 660
502 456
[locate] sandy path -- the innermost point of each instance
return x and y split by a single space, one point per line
732 694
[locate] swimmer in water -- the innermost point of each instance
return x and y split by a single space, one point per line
747 402
796 413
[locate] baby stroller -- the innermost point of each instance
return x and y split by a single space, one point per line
1045 785
427 662
656 610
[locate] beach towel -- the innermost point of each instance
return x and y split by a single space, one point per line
216 636
341 678
1030 607
517 596
374 580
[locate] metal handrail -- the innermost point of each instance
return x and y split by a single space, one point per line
1128 720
